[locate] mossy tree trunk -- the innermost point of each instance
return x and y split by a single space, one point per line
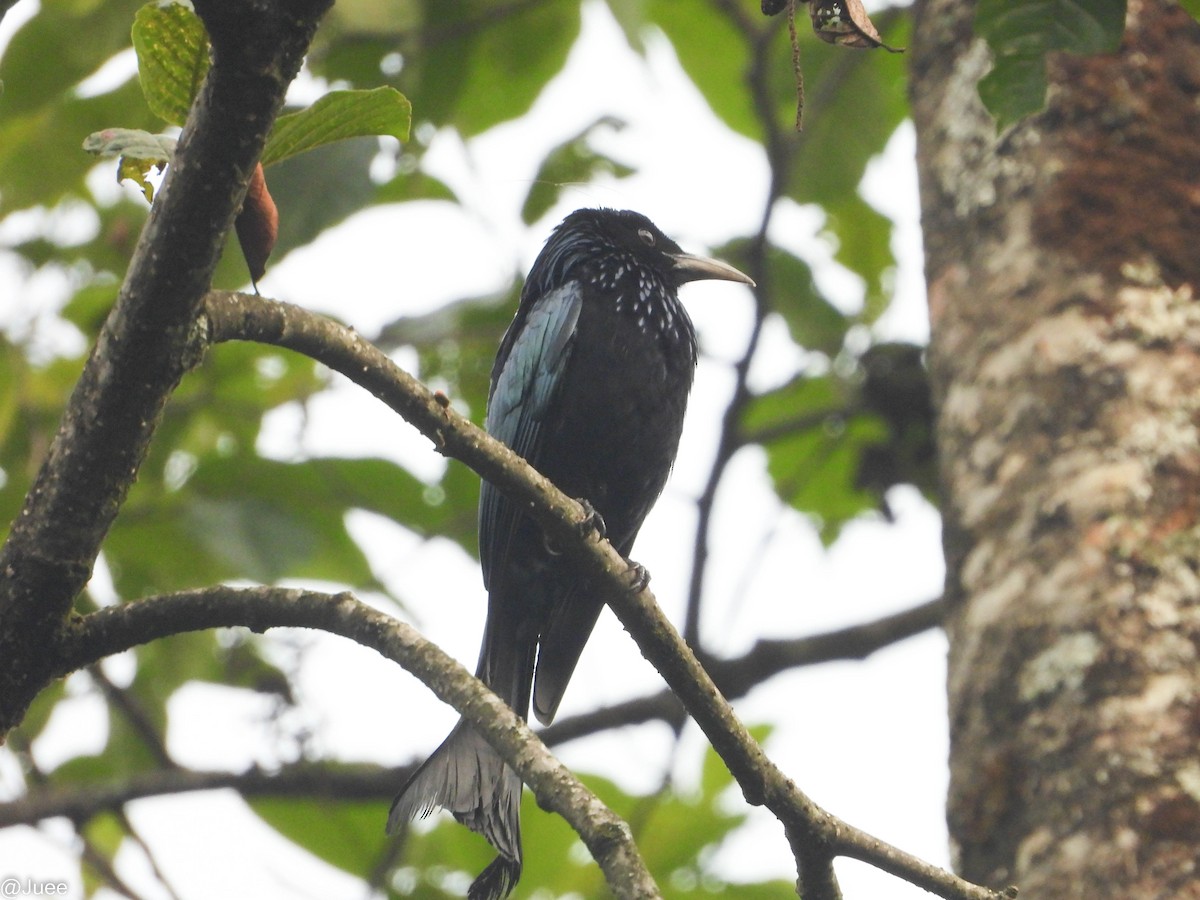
1063 262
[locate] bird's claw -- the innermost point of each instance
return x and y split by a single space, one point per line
591 521
638 575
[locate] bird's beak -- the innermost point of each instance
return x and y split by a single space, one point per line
698 268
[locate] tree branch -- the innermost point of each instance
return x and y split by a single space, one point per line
738 676
147 341
735 678
118 628
80 802
819 834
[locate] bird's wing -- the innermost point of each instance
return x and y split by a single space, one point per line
522 392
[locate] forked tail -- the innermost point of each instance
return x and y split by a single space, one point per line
468 778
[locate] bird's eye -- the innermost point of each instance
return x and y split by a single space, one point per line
646 236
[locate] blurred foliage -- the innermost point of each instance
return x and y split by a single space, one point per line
677 834
571 162
208 507
1021 33
837 442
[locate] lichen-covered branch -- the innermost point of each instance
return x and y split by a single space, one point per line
820 835
735 677
118 628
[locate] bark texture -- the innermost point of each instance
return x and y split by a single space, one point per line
148 340
1063 262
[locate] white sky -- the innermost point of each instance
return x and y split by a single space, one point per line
866 740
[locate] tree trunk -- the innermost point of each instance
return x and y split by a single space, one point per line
1063 259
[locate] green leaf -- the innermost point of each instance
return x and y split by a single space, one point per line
166 665
354 59
237 520
854 103
130 142
679 832
42 708
674 833
101 257
489 63
714 55
90 305
14 371
344 834
40 162
125 753
1014 88
217 410
140 153
104 834
1077 26
65 42
1192 7
103 831
571 163
172 51
456 343
863 238
1022 32
815 439
243 665
814 322
246 517
29 413
415 185
803 400
320 188
337 116
715 776
163 666
138 171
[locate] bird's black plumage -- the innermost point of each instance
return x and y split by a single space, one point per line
590 386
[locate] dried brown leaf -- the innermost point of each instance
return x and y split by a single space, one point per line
257 225
846 22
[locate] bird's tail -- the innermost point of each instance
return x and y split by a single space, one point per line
470 779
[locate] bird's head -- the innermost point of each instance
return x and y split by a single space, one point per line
605 245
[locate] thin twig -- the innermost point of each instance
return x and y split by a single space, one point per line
796 69
738 676
779 150
135 714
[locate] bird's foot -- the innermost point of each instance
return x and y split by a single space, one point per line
638 575
592 521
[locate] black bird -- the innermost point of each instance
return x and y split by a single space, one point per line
590 386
